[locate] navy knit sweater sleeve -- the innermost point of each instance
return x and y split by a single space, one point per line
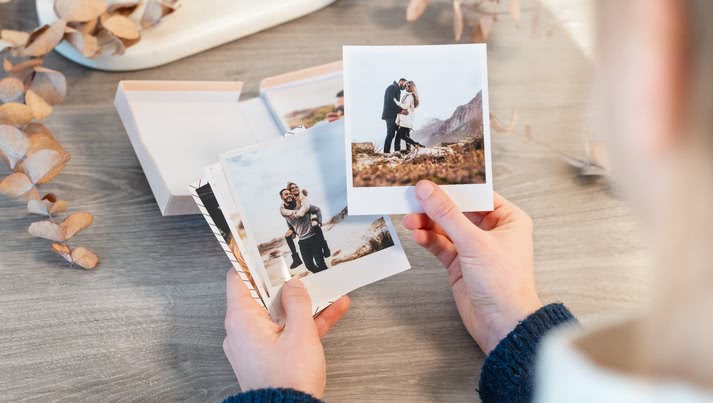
508 371
272 395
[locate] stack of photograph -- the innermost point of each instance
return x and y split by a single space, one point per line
313 203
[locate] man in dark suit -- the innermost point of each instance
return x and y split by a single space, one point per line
392 92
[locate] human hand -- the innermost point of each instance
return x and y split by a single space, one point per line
489 259
289 233
264 354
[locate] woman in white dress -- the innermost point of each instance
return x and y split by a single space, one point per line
405 119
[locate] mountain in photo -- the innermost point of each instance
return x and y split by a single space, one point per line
465 122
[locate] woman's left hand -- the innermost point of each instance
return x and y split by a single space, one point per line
265 355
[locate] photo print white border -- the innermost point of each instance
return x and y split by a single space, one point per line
327 286
402 199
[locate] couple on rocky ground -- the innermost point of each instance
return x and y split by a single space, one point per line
304 222
400 114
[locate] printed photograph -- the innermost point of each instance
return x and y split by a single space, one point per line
307 102
416 115
292 195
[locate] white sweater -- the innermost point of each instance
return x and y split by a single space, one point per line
408 104
568 373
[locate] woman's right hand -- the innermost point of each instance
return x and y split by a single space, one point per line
489 259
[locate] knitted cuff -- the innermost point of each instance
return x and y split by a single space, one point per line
507 374
272 395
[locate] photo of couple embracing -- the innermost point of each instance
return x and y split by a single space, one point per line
400 114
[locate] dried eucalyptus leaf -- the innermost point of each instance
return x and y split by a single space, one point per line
527 131
121 27
76 222
85 258
4 45
89 27
486 25
11 89
515 11
44 39
15 114
125 8
85 43
43 165
153 13
41 207
60 206
62 250
40 108
50 85
17 39
50 197
14 144
79 10
415 9
47 230
458 19
496 124
16 185
110 44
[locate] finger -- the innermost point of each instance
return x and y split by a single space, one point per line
439 246
298 308
331 315
241 306
443 211
421 221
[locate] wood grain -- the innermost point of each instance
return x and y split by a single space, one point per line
147 325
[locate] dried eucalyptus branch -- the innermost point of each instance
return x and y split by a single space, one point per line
29 91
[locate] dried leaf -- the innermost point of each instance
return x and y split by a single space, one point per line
496 124
515 11
62 250
22 70
486 25
125 8
11 89
110 44
14 144
85 43
41 207
4 45
16 185
15 114
79 10
527 131
513 121
415 9
85 258
43 165
88 27
60 206
121 27
40 108
458 19
599 155
17 39
76 222
50 85
155 10
44 39
47 230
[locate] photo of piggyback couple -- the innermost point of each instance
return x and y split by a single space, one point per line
304 222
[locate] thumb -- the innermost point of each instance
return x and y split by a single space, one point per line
439 207
298 307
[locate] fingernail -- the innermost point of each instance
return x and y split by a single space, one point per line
424 189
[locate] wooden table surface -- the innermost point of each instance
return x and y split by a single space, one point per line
148 324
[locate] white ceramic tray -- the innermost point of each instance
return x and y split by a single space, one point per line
196 26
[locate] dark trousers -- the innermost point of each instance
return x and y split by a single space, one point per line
404 133
311 250
291 243
390 135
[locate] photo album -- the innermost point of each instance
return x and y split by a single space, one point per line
322 157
